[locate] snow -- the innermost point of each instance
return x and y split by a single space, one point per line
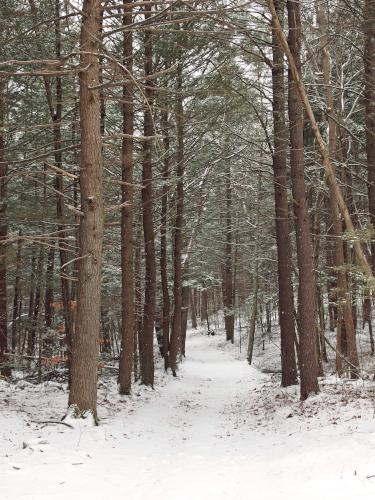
221 430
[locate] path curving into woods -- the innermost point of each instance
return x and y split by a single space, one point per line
211 433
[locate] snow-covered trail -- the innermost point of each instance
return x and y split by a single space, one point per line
206 435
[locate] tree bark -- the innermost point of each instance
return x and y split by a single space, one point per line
138 299
254 311
147 341
369 94
83 390
30 315
367 318
228 261
16 298
36 328
176 334
56 116
4 370
163 238
306 290
184 317
345 316
127 333
49 292
193 308
284 251
369 67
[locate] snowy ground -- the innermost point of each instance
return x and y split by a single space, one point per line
222 430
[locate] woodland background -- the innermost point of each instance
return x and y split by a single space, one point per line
157 167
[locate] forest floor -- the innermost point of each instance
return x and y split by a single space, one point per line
220 430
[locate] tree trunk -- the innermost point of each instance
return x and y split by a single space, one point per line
138 300
320 303
163 239
344 302
36 313
204 304
4 370
30 315
228 261
16 312
306 290
184 317
56 115
254 312
193 308
284 252
147 351
369 66
366 318
176 334
83 391
331 282
128 327
49 292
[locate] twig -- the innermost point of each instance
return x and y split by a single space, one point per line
52 422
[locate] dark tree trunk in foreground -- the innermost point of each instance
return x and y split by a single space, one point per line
3 236
176 335
147 337
127 334
83 393
284 252
163 239
228 294
306 291
369 64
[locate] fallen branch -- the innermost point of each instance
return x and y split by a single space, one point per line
52 422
